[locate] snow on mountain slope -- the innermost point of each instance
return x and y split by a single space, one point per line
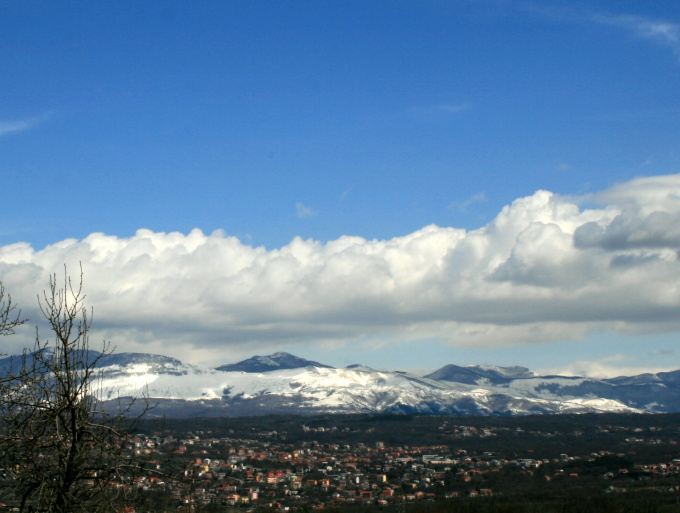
312 389
480 374
299 386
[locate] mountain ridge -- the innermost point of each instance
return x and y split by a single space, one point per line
284 383
276 361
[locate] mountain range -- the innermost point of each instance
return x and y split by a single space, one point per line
283 383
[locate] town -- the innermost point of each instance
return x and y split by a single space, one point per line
288 464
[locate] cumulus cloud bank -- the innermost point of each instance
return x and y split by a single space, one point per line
546 268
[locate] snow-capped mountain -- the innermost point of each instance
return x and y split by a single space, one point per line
283 383
276 361
480 374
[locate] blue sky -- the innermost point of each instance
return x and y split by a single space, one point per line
271 121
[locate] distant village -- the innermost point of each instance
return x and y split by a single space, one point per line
267 471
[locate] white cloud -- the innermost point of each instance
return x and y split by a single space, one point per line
20 125
646 217
661 32
609 367
303 211
658 31
544 269
462 206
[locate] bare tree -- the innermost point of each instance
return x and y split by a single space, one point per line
60 449
10 318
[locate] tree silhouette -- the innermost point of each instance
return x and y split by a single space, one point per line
61 450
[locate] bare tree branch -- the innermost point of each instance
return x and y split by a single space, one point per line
10 317
62 450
